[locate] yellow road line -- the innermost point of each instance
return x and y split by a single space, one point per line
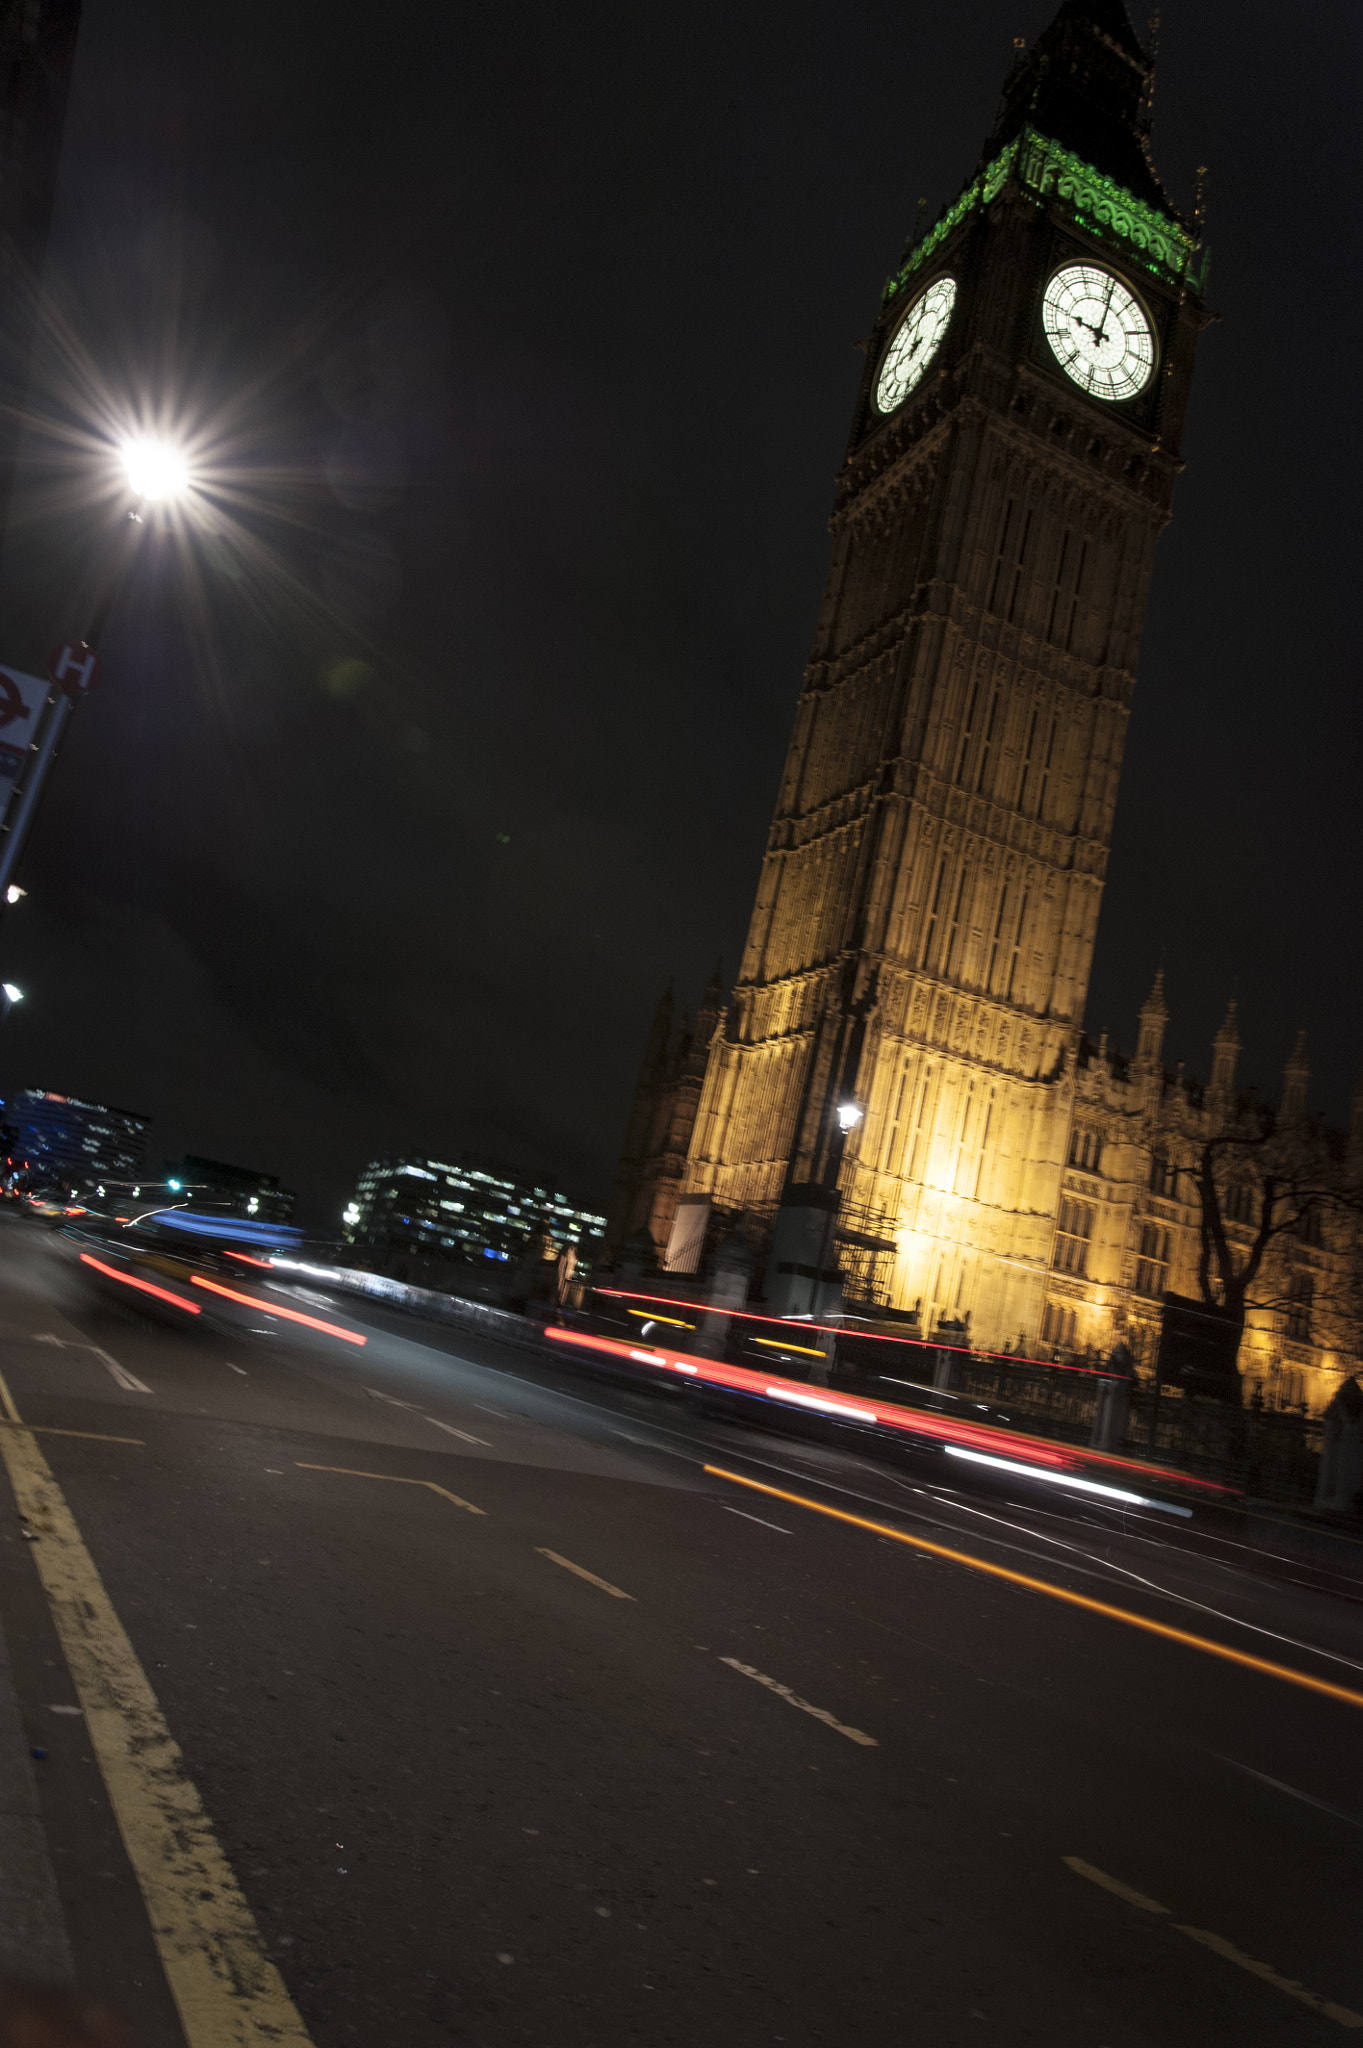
396 1479
582 1573
1113 1884
1218 1944
1061 1593
227 1991
92 1436
1327 2006
819 1713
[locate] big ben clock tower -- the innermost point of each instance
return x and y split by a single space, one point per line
889 1089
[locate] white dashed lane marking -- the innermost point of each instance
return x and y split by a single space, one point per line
582 1573
1342 2015
793 1699
412 1409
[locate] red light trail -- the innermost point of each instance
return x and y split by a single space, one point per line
944 1429
270 1308
190 1308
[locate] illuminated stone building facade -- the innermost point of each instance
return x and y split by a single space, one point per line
893 1069
919 951
1128 1224
899 1101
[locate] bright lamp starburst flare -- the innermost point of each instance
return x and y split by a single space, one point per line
209 479
157 470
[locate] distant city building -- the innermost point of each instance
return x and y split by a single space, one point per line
240 1190
463 1211
51 1139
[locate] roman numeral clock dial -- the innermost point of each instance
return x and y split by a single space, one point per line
914 343
1097 332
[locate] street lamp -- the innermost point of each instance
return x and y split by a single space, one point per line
156 472
12 995
849 1116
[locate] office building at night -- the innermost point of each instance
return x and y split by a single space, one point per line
461 1210
214 1184
52 1139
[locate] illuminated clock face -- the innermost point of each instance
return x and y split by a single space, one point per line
1099 335
914 343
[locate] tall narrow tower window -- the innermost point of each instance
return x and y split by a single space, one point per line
912 1167
932 913
1027 762
1002 557
1301 1291
988 742
954 934
998 934
984 1146
1152 1262
1077 597
1059 584
1006 586
964 1138
966 731
1018 567
1073 1232
1046 769
891 1145
1017 948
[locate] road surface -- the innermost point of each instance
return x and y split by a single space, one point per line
515 1721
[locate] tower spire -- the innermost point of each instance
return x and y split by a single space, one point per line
1296 1074
1154 1015
1086 83
1225 1055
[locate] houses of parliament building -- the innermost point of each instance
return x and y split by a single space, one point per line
898 1099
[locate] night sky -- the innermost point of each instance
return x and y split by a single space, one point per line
525 340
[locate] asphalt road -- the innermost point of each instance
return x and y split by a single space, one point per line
636 1753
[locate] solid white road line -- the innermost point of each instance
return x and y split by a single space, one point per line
226 1988
756 1518
125 1379
128 1380
462 1434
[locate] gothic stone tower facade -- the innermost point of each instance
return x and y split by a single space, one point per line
892 1079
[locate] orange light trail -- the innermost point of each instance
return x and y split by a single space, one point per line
1206 1644
747 1315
